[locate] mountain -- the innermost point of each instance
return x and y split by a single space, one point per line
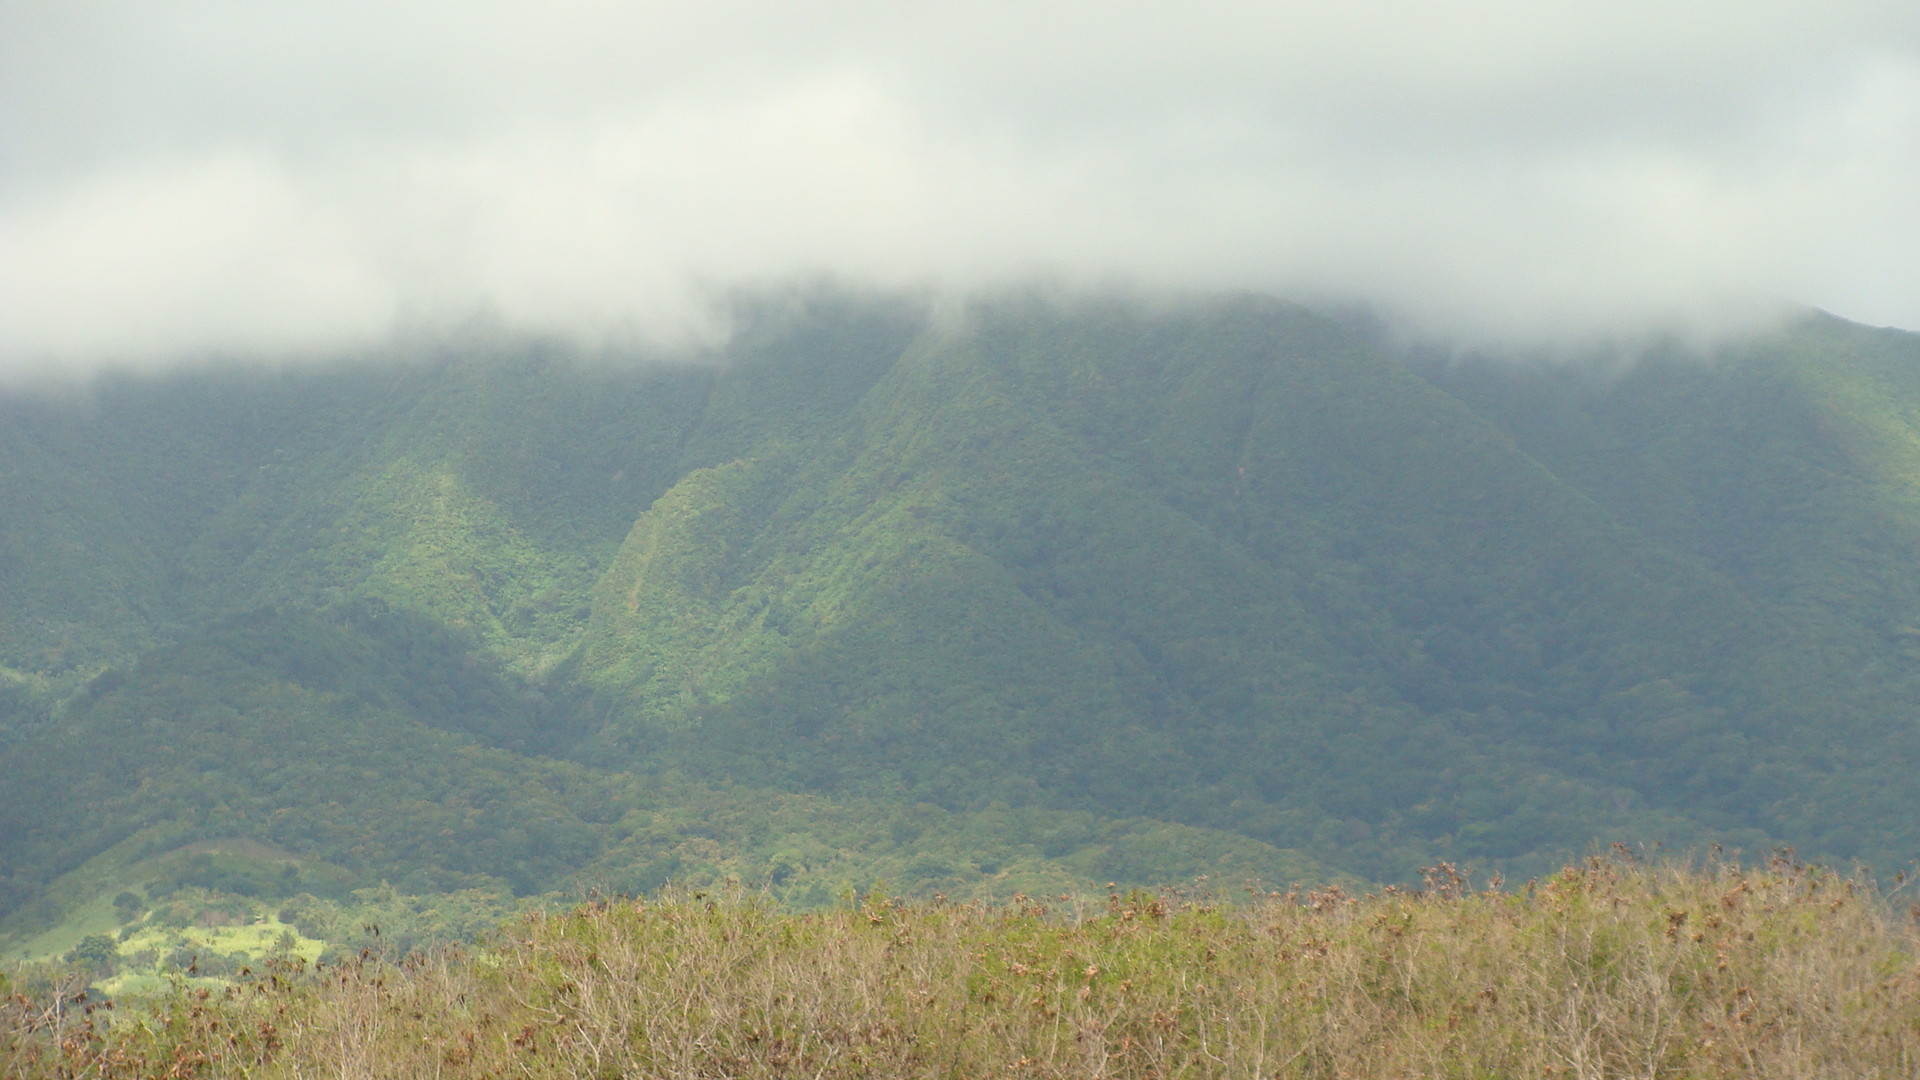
1034 594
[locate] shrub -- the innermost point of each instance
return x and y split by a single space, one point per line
1607 969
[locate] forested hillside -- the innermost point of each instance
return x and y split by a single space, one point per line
1033 595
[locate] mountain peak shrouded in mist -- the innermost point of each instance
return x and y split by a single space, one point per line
193 178
1024 594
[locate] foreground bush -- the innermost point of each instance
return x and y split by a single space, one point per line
1611 969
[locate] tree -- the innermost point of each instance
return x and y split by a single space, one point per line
98 953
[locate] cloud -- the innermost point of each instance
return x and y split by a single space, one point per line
279 177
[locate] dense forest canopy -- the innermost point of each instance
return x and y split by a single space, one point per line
1036 595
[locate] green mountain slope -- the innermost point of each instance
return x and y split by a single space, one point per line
1787 466
1231 567
78 586
371 745
485 481
997 597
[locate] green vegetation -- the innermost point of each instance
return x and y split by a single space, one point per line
1031 597
1609 968
285 730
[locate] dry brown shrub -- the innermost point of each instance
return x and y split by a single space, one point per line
1608 969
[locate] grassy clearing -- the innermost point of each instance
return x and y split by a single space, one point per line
154 950
159 885
1609 969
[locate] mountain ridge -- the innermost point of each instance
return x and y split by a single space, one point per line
1229 565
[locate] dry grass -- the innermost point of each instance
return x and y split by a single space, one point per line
1610 969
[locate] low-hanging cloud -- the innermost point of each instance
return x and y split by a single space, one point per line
208 175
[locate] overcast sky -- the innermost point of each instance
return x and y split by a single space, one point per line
259 176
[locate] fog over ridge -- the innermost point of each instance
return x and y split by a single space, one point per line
202 175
